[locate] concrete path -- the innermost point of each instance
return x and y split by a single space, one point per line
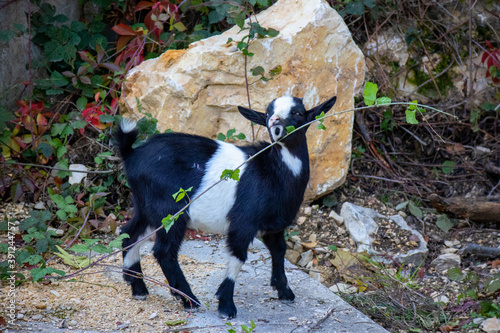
316 308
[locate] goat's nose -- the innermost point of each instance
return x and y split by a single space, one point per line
273 120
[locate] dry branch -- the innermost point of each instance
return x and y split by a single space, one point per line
476 209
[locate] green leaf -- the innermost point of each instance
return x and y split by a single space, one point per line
58 80
410 117
221 137
402 205
46 149
42 245
333 247
62 130
231 174
39 273
176 322
99 248
80 248
168 222
272 32
290 129
369 3
61 151
444 223
321 126
6 35
180 26
494 286
414 210
455 274
81 103
448 167
117 243
78 124
355 8
90 241
5 117
383 100
106 118
370 92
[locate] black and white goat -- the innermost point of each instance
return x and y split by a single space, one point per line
264 201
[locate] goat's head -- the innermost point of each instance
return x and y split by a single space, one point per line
284 112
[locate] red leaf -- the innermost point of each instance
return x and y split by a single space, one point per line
495 263
112 67
143 5
123 30
122 42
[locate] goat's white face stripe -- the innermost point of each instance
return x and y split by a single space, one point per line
282 108
292 162
209 212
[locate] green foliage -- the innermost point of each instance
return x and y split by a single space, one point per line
244 328
477 286
370 95
231 136
444 223
179 195
230 174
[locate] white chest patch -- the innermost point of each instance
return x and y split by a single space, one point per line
292 162
209 212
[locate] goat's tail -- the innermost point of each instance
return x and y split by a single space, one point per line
125 136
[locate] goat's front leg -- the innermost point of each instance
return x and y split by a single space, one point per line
277 246
237 243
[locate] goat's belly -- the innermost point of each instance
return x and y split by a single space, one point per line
209 212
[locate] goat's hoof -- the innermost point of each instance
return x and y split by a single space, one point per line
287 301
140 297
227 312
286 296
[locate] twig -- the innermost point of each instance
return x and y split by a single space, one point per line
413 135
61 169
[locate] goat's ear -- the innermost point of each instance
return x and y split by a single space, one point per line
324 107
257 117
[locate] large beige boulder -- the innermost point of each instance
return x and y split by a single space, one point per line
198 90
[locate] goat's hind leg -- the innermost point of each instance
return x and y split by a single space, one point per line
166 251
132 271
277 246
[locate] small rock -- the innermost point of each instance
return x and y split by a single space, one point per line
292 256
40 205
301 220
37 317
452 243
63 323
305 258
316 276
482 151
441 299
446 261
402 214
41 306
340 231
339 220
491 325
307 211
312 238
55 293
73 322
478 320
153 315
20 316
449 250
342 288
122 326
292 318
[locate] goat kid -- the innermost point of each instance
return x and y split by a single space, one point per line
264 201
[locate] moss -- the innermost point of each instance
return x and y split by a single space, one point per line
444 82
